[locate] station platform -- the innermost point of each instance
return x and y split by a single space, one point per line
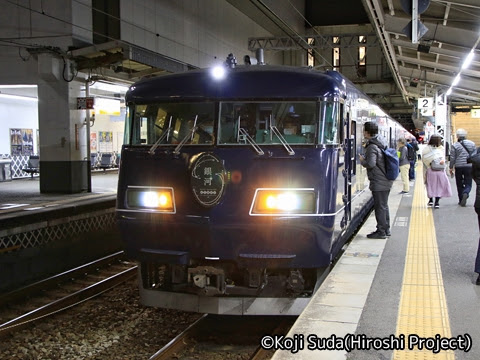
418 286
36 230
22 197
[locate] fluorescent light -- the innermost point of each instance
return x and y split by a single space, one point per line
118 89
17 86
468 60
18 97
456 80
449 91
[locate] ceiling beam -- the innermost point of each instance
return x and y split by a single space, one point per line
463 3
375 12
437 50
437 65
444 34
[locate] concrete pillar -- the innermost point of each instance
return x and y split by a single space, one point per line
63 169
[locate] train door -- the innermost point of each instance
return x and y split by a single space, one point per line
348 170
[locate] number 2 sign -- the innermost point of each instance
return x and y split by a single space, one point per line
425 106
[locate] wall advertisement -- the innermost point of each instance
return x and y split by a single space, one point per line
21 142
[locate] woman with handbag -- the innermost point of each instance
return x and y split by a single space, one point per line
434 165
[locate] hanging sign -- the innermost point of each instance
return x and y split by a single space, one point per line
425 106
475 113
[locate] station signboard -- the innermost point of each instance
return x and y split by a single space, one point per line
426 106
85 103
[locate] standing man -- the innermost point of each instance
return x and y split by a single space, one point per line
380 186
412 148
459 153
476 177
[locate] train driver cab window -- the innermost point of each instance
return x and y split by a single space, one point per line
170 123
329 122
266 122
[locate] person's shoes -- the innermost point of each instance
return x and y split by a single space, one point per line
437 206
388 233
463 202
478 280
403 192
430 203
376 235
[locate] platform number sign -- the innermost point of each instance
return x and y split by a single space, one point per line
425 106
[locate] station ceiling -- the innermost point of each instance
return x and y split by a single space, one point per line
429 67
423 69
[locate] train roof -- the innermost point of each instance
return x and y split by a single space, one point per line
241 82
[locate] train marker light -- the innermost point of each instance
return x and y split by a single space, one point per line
157 199
218 72
283 201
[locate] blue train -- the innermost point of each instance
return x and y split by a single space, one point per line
239 185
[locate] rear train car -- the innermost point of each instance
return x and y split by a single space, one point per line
237 188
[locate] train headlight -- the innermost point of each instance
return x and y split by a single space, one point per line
151 198
283 201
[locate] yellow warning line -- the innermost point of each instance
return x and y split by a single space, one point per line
423 307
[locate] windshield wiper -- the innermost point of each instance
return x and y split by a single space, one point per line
185 139
282 140
166 134
249 139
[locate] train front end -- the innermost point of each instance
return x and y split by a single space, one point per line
227 193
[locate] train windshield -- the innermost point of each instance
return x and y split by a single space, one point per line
171 123
295 122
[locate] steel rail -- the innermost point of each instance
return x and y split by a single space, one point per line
67 302
53 281
179 342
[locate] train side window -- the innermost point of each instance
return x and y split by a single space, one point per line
329 122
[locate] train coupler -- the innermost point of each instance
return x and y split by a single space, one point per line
209 280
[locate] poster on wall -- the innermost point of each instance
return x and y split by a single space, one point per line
27 142
93 142
21 142
105 141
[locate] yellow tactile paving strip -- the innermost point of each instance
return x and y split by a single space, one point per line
423 307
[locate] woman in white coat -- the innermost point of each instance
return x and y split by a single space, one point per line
434 166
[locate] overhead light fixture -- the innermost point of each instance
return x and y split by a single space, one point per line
18 97
468 60
456 80
449 91
18 86
114 88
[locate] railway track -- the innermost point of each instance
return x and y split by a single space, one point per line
22 307
218 337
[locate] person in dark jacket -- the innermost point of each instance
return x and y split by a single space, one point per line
380 186
476 177
412 148
404 164
458 164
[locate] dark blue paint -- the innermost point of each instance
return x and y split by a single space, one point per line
227 230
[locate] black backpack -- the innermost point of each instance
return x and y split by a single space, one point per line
411 152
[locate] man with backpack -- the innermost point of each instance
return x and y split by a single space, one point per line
380 185
459 153
412 148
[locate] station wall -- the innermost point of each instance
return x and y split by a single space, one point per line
20 115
